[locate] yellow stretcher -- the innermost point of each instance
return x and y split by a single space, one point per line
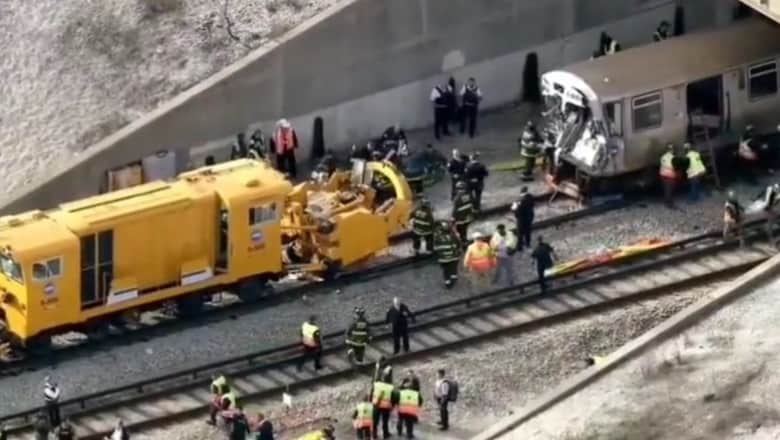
607 257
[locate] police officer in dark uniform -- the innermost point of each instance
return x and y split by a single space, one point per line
239 149
447 246
422 227
457 169
440 111
463 211
358 335
471 95
524 218
476 173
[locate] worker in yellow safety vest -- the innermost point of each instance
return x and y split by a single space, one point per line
382 398
228 401
326 433
668 174
219 387
409 403
695 172
480 260
312 343
363 419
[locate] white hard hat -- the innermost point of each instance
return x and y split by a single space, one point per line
284 123
477 235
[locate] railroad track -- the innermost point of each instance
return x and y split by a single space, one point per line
170 322
265 374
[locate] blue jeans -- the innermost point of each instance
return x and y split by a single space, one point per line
694 186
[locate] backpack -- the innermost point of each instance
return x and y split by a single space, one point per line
452 394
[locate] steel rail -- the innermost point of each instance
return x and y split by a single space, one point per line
498 298
289 294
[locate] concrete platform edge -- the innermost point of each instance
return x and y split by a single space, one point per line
683 319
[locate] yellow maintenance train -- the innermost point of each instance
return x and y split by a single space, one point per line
223 227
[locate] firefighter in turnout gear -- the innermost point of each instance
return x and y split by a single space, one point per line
529 150
422 227
457 169
732 217
358 335
447 246
363 419
463 211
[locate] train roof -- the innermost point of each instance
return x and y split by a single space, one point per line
679 60
27 231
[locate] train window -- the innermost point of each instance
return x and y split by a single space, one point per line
11 268
263 213
762 80
614 114
648 111
44 271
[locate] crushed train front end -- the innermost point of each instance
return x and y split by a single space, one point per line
582 130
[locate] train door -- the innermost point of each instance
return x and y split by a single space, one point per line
223 242
97 268
705 98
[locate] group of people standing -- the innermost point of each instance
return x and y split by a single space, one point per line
281 145
447 110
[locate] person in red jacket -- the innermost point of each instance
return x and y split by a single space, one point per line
285 144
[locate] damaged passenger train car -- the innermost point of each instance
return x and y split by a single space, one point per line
611 117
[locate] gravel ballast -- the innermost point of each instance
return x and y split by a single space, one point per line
494 376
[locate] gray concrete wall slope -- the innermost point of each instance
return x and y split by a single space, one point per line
366 64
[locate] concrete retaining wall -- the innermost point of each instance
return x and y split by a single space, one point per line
366 64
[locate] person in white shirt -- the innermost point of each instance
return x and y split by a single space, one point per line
51 396
440 111
504 243
442 392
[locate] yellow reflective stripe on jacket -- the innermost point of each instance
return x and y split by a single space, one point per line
382 395
409 403
309 332
365 416
696 167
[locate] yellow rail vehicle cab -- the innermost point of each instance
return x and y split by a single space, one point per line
134 248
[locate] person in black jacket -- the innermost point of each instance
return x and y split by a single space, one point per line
239 150
239 426
41 426
3 434
476 173
264 428
399 316
524 218
457 169
545 258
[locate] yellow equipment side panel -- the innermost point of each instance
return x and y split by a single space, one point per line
152 248
359 235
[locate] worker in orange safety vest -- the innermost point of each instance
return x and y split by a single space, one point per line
409 403
480 260
285 144
668 174
363 419
382 398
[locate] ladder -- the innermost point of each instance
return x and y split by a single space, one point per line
701 125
